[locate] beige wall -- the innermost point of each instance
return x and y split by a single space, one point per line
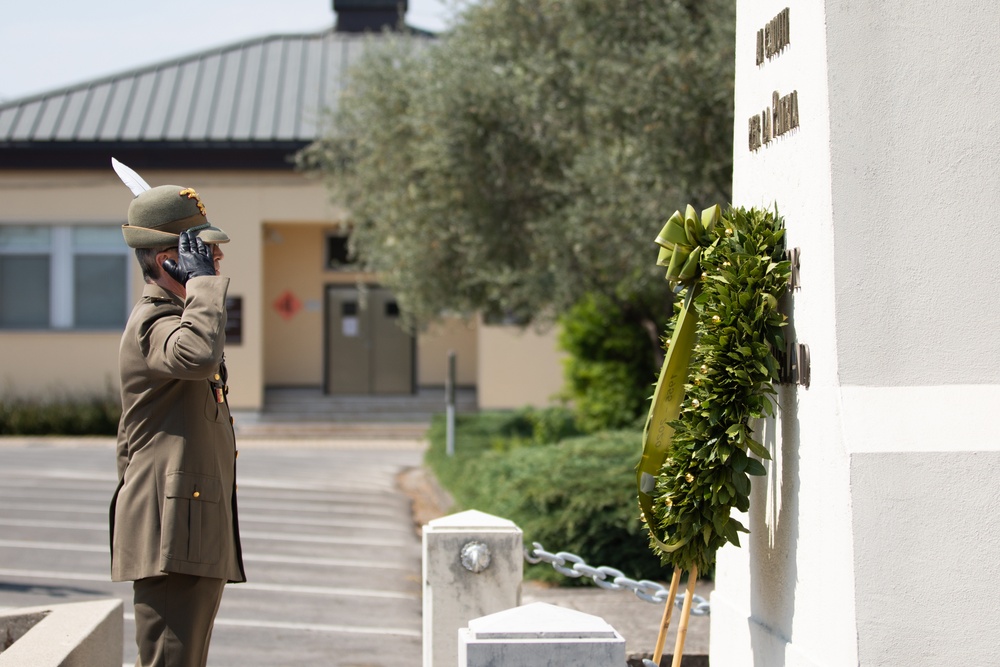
518 367
293 263
451 334
56 364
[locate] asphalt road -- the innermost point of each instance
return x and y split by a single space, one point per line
332 560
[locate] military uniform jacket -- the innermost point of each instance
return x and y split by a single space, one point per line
175 506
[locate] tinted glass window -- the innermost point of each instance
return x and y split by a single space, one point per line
99 298
24 291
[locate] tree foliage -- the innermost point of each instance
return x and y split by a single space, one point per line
527 157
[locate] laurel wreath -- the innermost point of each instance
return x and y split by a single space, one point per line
738 275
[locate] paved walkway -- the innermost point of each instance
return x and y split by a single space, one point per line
332 558
331 544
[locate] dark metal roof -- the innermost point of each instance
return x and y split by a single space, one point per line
262 96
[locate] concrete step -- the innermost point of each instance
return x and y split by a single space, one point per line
306 412
311 400
296 430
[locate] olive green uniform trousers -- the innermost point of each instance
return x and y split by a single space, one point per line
174 616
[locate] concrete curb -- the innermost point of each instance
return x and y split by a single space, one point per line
78 634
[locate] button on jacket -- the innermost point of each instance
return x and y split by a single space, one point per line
175 506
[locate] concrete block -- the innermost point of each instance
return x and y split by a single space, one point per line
455 593
540 635
79 634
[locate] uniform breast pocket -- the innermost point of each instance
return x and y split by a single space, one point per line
192 521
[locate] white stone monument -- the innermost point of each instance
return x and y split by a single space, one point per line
875 128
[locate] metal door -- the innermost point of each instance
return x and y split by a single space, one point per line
367 352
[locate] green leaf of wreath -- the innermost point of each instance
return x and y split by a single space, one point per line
755 467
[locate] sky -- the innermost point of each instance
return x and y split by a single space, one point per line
48 44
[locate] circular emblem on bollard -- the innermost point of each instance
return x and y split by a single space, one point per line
475 557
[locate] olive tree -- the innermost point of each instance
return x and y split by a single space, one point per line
528 158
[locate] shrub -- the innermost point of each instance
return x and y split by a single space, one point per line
610 367
66 415
531 426
577 494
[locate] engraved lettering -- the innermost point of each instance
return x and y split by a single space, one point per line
786 110
754 133
774 36
777 119
775 113
782 114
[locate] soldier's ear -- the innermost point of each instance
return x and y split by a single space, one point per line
164 254
165 259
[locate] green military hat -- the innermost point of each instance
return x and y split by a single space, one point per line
157 216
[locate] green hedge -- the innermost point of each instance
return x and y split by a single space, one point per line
575 494
96 415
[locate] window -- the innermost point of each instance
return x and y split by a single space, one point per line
338 254
63 277
234 320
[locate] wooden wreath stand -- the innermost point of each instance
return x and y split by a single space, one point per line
685 617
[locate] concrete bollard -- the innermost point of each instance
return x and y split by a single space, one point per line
473 564
540 635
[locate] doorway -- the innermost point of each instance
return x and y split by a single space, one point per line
367 352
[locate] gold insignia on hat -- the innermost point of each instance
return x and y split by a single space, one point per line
191 194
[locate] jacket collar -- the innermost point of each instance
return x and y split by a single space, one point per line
153 292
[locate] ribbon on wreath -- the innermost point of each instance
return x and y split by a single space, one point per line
683 240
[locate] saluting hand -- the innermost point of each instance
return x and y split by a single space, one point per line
194 258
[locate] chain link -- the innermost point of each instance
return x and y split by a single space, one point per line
611 579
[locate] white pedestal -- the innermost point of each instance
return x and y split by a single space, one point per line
454 594
540 635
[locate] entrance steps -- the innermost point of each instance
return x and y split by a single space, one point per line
306 412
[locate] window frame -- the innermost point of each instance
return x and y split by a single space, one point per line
62 256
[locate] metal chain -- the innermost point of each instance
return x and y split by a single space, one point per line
611 579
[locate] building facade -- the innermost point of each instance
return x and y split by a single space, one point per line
227 122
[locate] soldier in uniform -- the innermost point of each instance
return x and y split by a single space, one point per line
174 529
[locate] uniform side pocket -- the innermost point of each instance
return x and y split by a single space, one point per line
192 518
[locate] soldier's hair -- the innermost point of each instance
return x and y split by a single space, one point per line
147 261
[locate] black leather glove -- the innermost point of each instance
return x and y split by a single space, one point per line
194 258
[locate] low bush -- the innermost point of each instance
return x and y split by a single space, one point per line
94 415
576 493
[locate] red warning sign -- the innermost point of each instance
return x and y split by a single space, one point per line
287 305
